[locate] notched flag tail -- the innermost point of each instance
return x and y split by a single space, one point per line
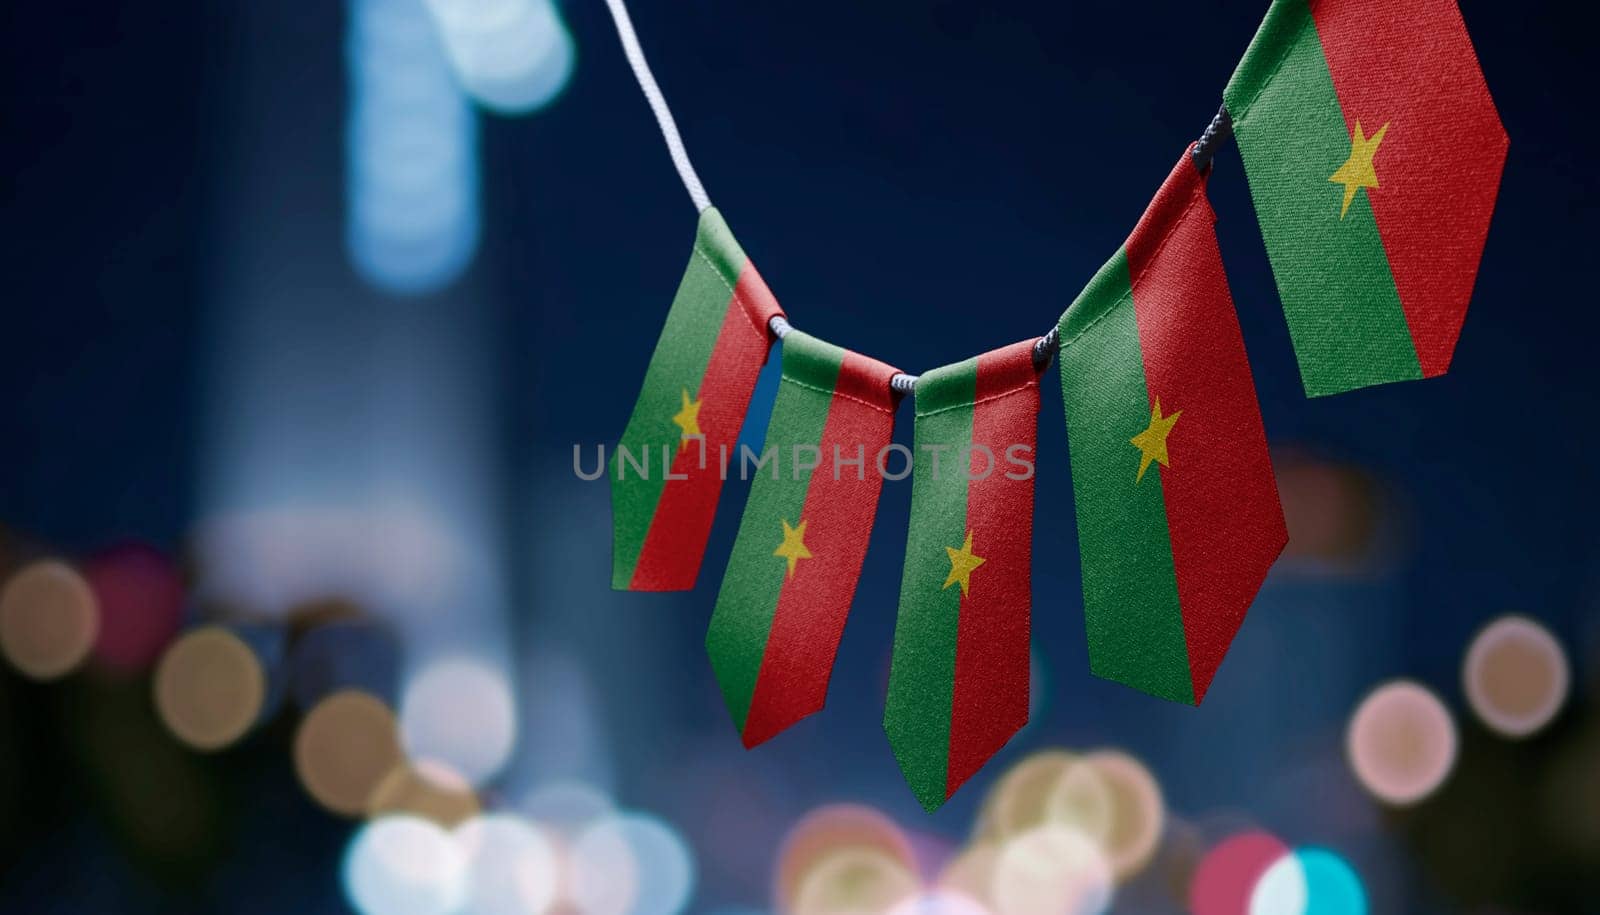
1178 513
666 472
958 685
1373 152
792 574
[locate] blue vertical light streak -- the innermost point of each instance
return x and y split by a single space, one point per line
412 182
350 447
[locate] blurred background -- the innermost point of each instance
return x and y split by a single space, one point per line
302 607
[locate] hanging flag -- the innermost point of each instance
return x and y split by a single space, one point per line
795 561
666 472
1373 152
958 685
1178 514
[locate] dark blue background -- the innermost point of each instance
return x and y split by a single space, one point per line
917 181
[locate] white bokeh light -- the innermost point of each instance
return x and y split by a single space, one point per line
1051 870
404 865
512 868
940 902
1282 889
665 865
511 56
603 870
460 711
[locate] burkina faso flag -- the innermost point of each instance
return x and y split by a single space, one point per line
1373 152
958 684
666 472
803 536
1178 514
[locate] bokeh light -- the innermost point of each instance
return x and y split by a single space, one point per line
1226 879
1177 859
459 711
1048 787
971 872
830 829
426 788
1020 799
1310 881
344 749
403 865
603 871
1282 889
48 619
1516 676
412 152
854 881
666 865
290 560
140 593
1401 743
662 867
566 806
1082 799
512 867
210 688
1332 886
1333 514
930 850
1051 870
940 902
1137 812
511 56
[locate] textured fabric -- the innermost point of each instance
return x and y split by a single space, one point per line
665 480
958 685
1374 153
787 590
1178 513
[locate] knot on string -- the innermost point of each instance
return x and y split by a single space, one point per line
1216 133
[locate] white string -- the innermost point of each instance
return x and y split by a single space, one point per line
1220 129
899 382
1043 350
658 104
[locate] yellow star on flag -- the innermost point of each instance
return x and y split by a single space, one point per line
962 562
1357 171
793 547
687 419
1152 442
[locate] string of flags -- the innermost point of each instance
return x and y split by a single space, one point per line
1373 152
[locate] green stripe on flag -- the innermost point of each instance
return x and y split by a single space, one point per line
737 638
1130 590
678 364
1333 274
922 677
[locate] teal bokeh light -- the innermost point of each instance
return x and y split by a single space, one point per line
1332 885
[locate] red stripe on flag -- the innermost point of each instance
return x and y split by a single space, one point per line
1223 516
1412 66
676 540
989 702
813 604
